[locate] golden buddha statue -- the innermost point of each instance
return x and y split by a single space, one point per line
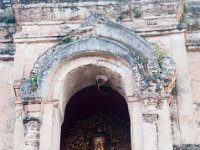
99 141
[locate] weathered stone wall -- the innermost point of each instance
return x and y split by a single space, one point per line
193 47
193 15
6 13
7 29
194 70
7 51
182 108
193 25
193 40
6 43
7 106
187 147
43 23
140 15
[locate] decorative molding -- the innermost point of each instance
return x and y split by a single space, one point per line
20 114
150 118
16 87
32 131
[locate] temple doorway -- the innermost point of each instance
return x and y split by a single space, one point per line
95 112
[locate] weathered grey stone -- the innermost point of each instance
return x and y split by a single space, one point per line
10 123
7 51
186 147
31 131
6 43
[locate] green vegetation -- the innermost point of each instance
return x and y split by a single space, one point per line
137 13
33 81
159 51
66 40
185 11
8 17
72 36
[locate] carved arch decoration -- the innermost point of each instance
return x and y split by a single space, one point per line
153 78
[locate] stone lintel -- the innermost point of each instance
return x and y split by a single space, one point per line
31 108
154 33
153 100
36 106
192 48
37 40
30 102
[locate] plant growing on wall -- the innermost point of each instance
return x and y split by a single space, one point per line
74 35
137 13
185 11
130 12
161 53
8 17
66 40
33 81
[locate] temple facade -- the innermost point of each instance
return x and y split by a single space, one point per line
90 75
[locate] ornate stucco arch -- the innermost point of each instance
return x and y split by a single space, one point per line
126 59
83 69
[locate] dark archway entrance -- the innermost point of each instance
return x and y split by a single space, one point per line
90 102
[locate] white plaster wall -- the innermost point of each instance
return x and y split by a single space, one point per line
175 44
26 55
7 106
46 129
194 71
150 136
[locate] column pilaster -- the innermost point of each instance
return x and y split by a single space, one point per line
164 128
135 113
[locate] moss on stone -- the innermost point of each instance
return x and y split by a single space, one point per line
185 11
33 81
159 51
66 40
8 17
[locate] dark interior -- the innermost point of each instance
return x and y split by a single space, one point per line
90 101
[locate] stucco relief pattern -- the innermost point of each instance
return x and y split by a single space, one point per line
31 132
20 114
153 78
150 118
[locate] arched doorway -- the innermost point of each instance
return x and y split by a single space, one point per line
93 109
120 55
